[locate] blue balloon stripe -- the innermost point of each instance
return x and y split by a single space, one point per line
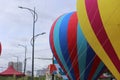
101 72
89 61
98 71
55 61
57 44
82 49
64 43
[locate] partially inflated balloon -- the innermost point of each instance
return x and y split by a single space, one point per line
0 48
100 23
72 51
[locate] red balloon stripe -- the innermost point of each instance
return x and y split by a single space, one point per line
98 27
72 43
96 63
0 48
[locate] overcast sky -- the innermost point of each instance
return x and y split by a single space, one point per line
16 28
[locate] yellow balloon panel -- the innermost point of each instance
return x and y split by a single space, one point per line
110 13
112 30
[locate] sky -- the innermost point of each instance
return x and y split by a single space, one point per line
16 28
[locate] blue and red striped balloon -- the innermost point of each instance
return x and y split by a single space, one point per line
72 51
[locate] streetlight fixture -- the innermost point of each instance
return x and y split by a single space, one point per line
33 12
31 41
25 56
35 17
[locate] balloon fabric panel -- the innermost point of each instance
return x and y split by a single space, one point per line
110 16
53 48
81 53
105 14
89 60
66 52
0 48
64 42
72 50
72 43
58 47
96 24
93 64
96 62
99 71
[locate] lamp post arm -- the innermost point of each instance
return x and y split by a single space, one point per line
23 47
33 12
36 36
35 17
25 56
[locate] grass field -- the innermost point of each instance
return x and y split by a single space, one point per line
26 78
36 78
21 78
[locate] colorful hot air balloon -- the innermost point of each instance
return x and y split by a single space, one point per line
0 48
72 51
100 23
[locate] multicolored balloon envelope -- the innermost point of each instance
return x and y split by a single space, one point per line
72 51
0 48
100 23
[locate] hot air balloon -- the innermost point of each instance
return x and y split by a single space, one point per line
71 50
0 48
100 23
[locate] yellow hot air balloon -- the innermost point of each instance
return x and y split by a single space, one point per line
100 23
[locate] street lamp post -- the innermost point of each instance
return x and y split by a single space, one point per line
35 17
25 56
32 42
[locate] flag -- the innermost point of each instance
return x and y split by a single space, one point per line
52 68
